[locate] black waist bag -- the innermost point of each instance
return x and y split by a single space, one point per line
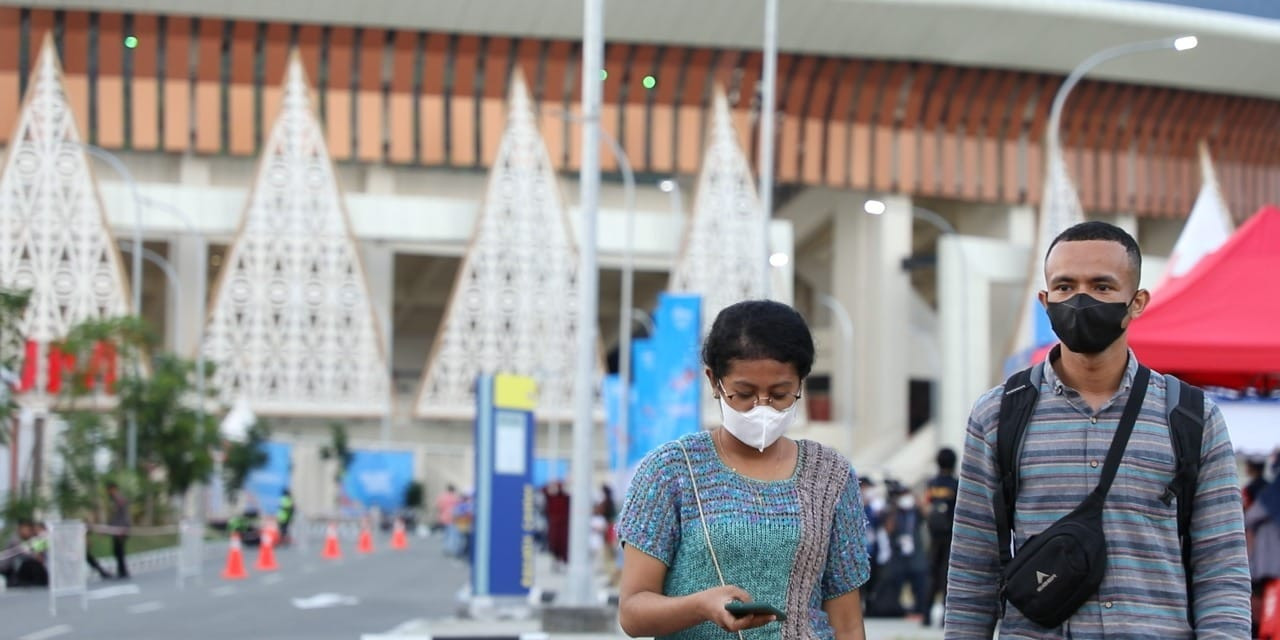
1061 568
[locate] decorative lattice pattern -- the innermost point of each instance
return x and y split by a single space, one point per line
292 329
54 238
720 259
513 308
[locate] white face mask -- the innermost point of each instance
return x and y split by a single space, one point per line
906 501
759 427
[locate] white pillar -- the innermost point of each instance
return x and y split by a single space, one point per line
189 256
868 279
976 321
380 273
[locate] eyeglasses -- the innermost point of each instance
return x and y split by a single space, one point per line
747 401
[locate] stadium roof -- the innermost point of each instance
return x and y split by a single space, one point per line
1238 38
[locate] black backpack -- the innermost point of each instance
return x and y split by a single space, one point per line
1184 409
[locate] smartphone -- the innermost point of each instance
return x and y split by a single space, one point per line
741 609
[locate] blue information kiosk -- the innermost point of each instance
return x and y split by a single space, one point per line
503 551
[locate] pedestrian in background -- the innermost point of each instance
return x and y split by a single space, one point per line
940 497
119 521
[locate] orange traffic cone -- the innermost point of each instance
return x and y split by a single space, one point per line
331 549
266 551
365 543
398 540
235 561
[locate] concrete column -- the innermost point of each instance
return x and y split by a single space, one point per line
868 279
1022 225
380 273
189 255
980 286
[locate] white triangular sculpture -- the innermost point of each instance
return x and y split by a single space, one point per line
292 329
1208 226
54 237
721 256
513 308
1059 210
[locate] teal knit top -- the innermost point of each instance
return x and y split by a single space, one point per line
792 543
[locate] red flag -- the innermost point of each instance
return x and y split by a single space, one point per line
27 381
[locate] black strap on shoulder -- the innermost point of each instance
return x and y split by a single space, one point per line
1137 393
1021 391
1184 407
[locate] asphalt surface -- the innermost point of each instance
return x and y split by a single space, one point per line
307 598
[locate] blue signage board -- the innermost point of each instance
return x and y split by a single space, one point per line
378 478
503 550
265 484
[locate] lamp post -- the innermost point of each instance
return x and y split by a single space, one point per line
139 201
1178 43
672 187
944 226
580 581
768 111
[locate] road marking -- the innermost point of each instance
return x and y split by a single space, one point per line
147 607
45 634
112 592
220 592
272 579
325 600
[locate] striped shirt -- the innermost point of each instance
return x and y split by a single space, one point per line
1144 592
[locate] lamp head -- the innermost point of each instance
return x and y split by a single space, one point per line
1185 42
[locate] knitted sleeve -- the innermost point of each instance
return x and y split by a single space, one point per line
847 564
650 518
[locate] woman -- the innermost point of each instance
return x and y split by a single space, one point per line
784 517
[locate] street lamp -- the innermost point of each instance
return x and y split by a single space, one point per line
123 171
768 111
944 226
671 187
1177 43
627 287
139 201
580 583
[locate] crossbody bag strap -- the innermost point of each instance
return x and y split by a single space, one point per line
702 517
1137 393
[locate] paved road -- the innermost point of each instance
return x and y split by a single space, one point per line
307 599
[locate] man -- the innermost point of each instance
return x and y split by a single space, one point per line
119 523
1092 272
284 515
24 565
941 496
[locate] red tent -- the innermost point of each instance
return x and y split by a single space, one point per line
1220 323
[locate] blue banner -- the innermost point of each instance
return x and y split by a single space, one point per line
546 470
378 478
265 484
667 383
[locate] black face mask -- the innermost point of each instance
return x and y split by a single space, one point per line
1086 324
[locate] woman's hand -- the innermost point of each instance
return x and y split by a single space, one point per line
711 605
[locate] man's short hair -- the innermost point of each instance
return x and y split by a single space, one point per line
1098 230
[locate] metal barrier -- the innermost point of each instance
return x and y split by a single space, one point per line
190 552
68 570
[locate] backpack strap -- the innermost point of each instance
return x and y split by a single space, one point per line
1022 390
1184 408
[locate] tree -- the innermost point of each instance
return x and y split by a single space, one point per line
13 304
174 441
338 448
243 457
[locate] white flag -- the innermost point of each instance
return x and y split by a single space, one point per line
1059 209
1207 228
